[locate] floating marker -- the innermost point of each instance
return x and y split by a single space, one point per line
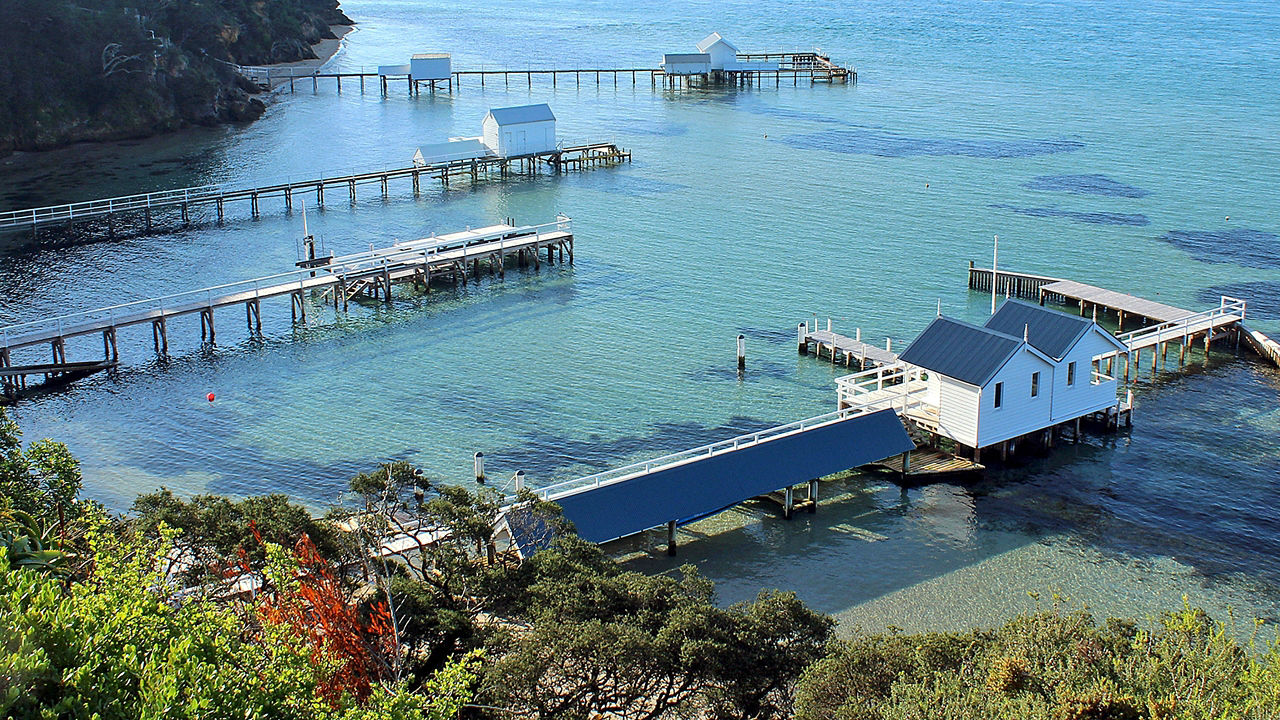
209 397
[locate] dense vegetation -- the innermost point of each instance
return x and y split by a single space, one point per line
211 608
75 70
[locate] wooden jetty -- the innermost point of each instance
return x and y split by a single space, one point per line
14 378
842 350
1159 325
446 169
337 280
791 65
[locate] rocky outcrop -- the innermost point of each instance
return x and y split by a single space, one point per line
86 70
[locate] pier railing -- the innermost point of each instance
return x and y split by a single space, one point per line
364 262
698 453
1229 310
1015 284
97 208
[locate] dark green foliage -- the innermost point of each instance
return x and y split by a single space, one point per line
220 534
104 69
592 639
1047 666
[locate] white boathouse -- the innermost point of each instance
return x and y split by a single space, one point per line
431 66
1027 370
722 53
521 130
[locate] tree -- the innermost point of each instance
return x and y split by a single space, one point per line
43 480
219 535
586 637
122 643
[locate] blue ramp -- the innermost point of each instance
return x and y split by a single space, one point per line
697 482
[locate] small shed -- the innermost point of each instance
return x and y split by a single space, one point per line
388 70
722 52
521 130
686 63
431 66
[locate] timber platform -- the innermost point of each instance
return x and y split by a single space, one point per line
334 280
446 169
840 349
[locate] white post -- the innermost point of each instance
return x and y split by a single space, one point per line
519 478
742 352
995 257
479 459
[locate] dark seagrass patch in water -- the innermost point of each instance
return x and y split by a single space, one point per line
1092 184
1238 246
886 144
1262 296
1095 218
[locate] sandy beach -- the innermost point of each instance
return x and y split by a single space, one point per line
324 50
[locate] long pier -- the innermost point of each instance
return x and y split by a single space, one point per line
794 65
337 280
443 168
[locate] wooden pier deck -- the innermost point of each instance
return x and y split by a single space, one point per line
372 273
928 464
470 167
841 349
1160 324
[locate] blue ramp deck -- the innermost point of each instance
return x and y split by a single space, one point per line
695 483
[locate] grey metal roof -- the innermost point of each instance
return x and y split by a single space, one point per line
959 350
1050 331
712 39
522 114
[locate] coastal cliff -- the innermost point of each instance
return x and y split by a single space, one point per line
76 70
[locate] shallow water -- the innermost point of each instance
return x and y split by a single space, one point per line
1055 125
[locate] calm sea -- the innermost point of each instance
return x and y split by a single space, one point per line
1127 144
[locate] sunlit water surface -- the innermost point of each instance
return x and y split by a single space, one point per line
1124 144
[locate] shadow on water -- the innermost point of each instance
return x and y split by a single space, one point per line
1239 246
887 144
1085 185
545 454
1096 218
1263 296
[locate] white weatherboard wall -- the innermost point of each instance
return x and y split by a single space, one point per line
686 63
511 132
431 66
957 410
722 52
1019 413
1084 397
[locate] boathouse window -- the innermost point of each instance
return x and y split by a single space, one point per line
999 394
1035 384
1071 373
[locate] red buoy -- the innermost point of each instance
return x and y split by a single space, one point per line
209 397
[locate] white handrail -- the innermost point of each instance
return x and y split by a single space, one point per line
655 464
344 265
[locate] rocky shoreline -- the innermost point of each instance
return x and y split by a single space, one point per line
115 73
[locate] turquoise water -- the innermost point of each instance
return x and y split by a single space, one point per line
1123 144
